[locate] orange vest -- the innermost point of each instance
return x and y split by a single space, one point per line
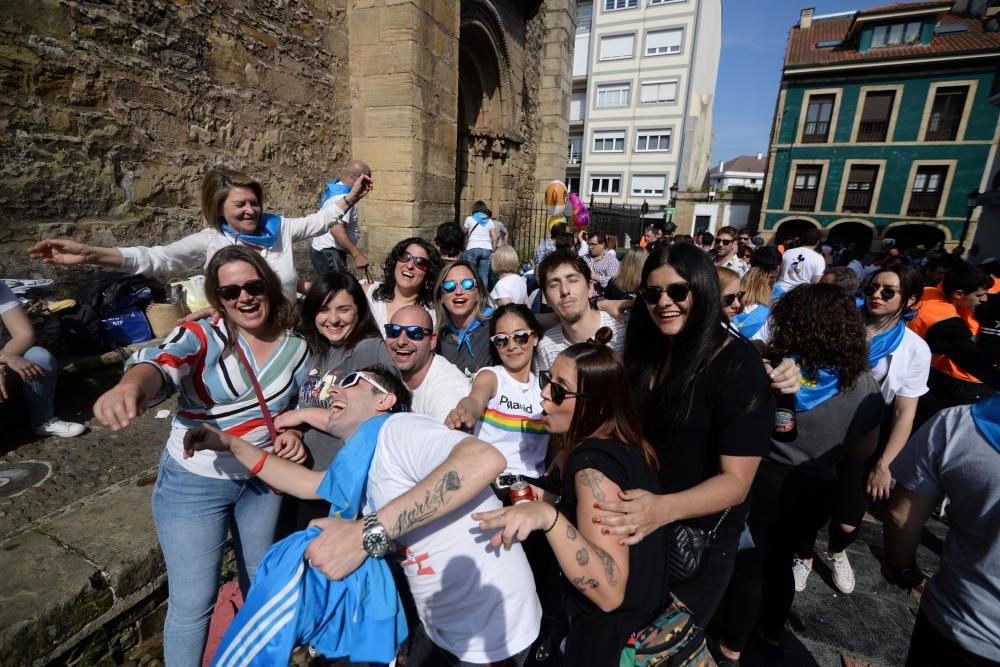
933 309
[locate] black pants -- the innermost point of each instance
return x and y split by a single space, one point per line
788 505
930 648
703 592
850 500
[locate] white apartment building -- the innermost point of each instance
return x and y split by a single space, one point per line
644 76
744 171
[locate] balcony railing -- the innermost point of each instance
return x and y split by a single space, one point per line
873 130
803 200
943 127
857 201
573 158
924 204
816 132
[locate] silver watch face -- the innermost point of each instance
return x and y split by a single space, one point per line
374 541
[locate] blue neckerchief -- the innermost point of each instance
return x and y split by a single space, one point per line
986 415
481 218
750 323
816 389
344 483
885 343
271 226
333 189
859 302
464 334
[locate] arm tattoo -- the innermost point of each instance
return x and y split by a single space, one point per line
585 582
570 531
582 557
608 563
422 510
592 478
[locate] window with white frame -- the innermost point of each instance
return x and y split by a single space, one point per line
612 95
611 5
896 34
658 92
605 184
609 141
617 47
663 42
647 141
648 186
664 2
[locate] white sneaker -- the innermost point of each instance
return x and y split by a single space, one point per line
843 573
800 570
60 428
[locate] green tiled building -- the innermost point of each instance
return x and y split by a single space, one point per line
883 125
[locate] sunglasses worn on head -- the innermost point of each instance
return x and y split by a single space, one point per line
450 286
558 392
421 263
352 379
254 287
677 293
521 337
725 242
728 299
887 292
414 332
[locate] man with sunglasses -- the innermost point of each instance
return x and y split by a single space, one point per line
477 605
725 251
329 251
437 384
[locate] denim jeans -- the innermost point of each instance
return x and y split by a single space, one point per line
328 259
40 394
480 260
193 515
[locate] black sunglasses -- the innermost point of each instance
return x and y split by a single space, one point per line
728 299
421 263
521 337
887 292
254 287
677 293
558 392
450 286
725 242
744 239
414 332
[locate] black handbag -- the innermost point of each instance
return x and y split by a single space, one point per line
686 546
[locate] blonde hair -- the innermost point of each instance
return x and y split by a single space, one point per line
217 185
629 275
757 286
483 305
505 260
727 275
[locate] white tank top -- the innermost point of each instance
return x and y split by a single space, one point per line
513 423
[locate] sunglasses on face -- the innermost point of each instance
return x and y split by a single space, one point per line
744 239
521 337
887 292
352 379
449 286
728 299
421 263
677 293
725 242
558 392
254 287
413 332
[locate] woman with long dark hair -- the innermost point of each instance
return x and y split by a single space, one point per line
706 405
409 272
613 589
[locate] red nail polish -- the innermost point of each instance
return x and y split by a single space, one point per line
596 519
605 531
597 506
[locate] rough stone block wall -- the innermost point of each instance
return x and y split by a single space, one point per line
112 113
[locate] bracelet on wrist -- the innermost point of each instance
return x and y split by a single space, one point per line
257 467
554 521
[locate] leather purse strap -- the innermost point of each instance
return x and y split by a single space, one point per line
256 389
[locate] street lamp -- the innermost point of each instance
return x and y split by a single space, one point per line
970 206
673 201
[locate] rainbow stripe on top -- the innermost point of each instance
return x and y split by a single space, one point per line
513 423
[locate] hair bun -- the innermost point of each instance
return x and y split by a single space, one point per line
603 336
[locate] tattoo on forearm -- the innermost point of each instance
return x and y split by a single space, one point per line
593 479
582 557
570 531
608 563
585 582
433 500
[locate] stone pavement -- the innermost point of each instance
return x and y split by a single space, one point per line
84 581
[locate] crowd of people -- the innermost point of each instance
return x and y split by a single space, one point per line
558 464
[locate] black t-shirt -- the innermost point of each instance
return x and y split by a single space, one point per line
597 637
731 414
988 315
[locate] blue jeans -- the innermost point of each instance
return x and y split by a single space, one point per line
40 394
193 515
480 260
328 259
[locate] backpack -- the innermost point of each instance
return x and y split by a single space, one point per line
114 296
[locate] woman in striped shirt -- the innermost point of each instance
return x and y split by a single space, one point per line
197 500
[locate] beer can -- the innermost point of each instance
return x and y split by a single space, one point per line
520 492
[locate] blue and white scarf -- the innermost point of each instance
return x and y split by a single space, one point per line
749 323
815 388
986 415
481 218
268 231
334 188
883 344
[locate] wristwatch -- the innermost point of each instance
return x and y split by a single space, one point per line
374 539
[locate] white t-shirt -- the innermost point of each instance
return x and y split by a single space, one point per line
736 264
479 235
511 286
512 422
904 372
554 342
443 387
380 310
475 601
351 225
798 266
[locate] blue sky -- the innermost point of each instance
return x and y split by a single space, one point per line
754 34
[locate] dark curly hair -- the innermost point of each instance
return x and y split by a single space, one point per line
387 290
821 324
